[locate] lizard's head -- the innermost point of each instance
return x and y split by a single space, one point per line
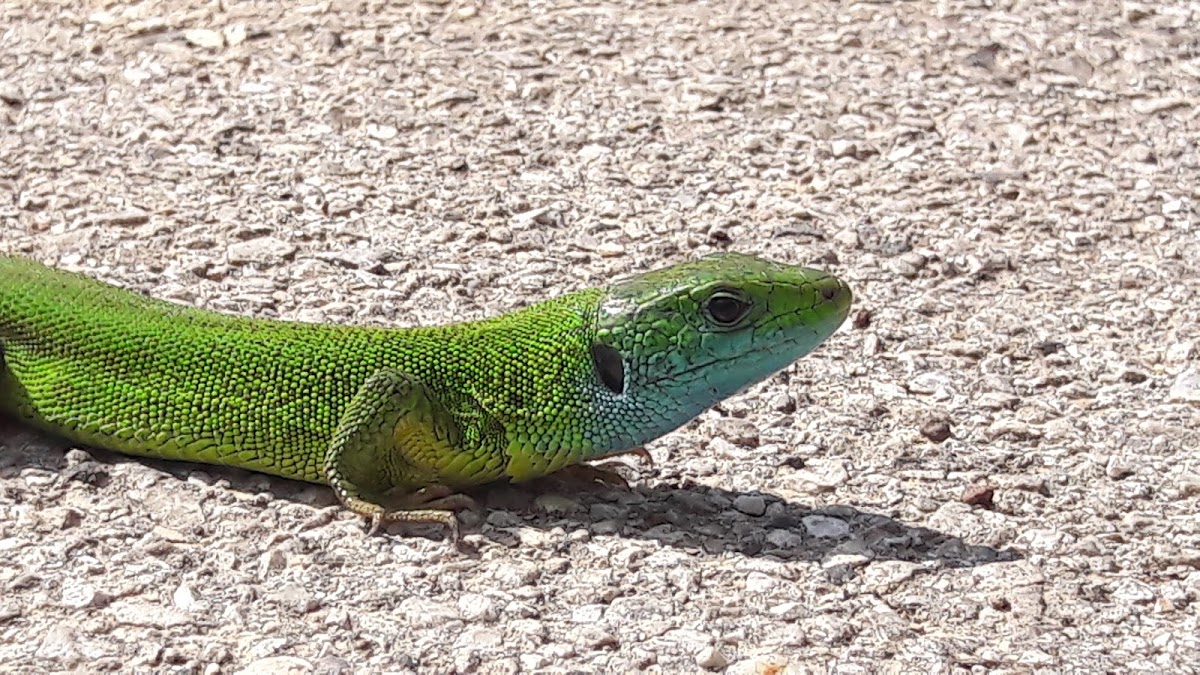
672 342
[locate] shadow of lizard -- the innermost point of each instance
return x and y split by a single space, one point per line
684 515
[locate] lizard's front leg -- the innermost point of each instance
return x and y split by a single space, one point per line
383 457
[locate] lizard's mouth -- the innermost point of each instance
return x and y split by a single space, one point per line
692 372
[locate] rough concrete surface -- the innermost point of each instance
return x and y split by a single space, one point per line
992 468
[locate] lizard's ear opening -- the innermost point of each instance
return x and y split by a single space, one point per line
610 367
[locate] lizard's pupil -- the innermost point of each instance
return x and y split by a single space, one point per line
727 309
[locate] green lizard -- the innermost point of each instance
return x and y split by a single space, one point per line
399 420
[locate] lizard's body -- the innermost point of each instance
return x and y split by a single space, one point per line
399 416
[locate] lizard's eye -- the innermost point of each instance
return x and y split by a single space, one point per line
726 307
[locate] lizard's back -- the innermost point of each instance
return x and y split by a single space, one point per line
116 369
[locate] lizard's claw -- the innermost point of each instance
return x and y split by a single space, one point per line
590 473
433 504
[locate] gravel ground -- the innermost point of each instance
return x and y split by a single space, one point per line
992 468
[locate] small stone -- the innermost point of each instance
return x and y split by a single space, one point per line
1019 134
593 151
743 433
757 582
531 662
843 148
825 527
11 95
128 217
848 238
610 249
783 403
997 400
589 614
872 345
382 132
1133 592
556 504
936 430
184 598
826 479
848 561
277 665
1186 388
909 265
1180 352
594 638
1118 469
751 505
980 494
202 37
1150 106
477 608
1173 206
295 598
711 658
482 638
82 596
1048 347
888 573
8 613
1188 485
148 615
930 384
58 644
784 538
1035 657
271 561
260 251
765 665
1141 153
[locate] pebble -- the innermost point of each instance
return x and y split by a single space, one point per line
826 527
296 599
59 643
711 658
271 561
931 384
1186 387
784 539
260 251
474 607
1118 469
82 596
277 665
610 249
936 430
751 505
134 613
184 598
843 148
1180 352
202 37
980 494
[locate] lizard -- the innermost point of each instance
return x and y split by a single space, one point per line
399 421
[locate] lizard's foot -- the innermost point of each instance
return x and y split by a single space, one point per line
600 473
434 504
641 453
591 473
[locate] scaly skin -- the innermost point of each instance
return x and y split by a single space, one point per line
397 420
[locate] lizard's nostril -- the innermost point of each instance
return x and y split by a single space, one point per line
830 292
